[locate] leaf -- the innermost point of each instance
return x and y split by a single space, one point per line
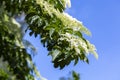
76 60
34 18
87 60
55 54
51 31
35 34
31 33
95 55
78 33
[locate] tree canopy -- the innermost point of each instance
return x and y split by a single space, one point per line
59 32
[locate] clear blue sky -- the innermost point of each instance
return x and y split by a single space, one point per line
102 18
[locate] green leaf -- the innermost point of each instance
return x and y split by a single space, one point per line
51 32
31 33
55 54
78 33
76 60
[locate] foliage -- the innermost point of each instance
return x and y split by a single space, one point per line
73 76
5 74
12 49
61 34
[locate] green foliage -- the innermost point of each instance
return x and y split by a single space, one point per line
3 75
13 51
60 33
73 76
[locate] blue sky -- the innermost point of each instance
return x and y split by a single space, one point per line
102 18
